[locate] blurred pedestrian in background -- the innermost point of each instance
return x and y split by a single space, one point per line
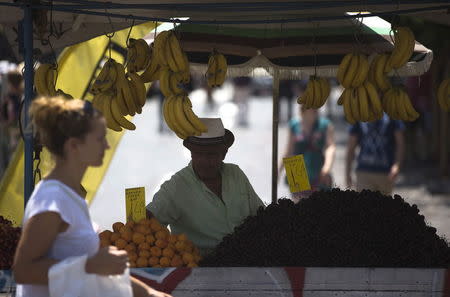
313 136
381 151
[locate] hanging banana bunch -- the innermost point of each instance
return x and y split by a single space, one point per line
180 118
153 71
217 69
168 53
397 105
404 42
45 81
316 93
353 70
443 95
361 104
138 55
377 72
171 83
118 94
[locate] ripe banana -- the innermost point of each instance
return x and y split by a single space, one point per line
123 87
199 126
374 101
349 117
404 42
217 69
118 117
381 80
363 104
348 70
316 93
443 95
137 84
179 62
106 78
159 49
362 71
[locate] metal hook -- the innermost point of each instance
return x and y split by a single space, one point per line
109 35
129 32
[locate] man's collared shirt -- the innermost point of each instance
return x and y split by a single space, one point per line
186 204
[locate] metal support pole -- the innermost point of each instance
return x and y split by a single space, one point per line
28 78
275 120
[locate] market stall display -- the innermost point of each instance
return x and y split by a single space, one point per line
334 229
149 244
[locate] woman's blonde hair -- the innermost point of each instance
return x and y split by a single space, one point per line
55 119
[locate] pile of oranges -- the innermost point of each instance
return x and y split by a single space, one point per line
149 244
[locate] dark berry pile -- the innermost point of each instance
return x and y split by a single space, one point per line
9 237
334 229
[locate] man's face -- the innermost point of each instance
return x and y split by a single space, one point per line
207 164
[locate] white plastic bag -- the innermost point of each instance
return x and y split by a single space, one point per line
68 278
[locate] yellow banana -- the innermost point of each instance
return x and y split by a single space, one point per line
354 105
106 78
111 123
192 117
119 118
374 99
317 93
175 81
172 117
159 49
363 103
40 79
222 69
351 72
131 55
325 90
342 69
177 52
170 59
347 107
167 116
308 95
380 77
139 86
403 47
143 54
361 74
135 96
181 118
164 82
212 70
152 72
186 72
123 86
410 43
412 113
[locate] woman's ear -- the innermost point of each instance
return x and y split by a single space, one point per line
72 144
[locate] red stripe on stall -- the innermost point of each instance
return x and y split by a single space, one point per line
446 292
297 278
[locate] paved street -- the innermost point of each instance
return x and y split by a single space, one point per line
147 158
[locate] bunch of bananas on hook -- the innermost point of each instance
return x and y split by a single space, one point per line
217 69
361 104
45 81
397 105
168 53
118 94
180 118
171 83
404 42
316 93
353 70
138 55
378 74
443 95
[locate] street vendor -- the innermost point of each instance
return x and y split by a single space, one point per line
208 198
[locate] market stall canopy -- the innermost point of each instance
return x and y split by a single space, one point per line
272 34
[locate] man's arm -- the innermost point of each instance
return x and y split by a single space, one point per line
351 147
399 155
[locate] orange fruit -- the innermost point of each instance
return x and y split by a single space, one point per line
138 237
133 264
180 246
182 237
145 222
176 261
130 247
168 252
144 246
189 248
155 225
152 261
114 236
144 253
162 234
164 262
142 229
161 243
187 258
172 238
171 246
120 243
132 256
117 225
150 239
155 251
124 229
104 242
130 224
105 235
126 234
192 264
141 262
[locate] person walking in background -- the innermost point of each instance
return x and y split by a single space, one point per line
381 151
241 94
313 136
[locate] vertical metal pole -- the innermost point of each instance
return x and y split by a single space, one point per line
28 77
275 120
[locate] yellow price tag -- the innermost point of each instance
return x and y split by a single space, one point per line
135 204
296 174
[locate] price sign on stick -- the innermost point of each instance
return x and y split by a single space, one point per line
296 174
135 204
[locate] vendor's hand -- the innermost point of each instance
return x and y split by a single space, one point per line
393 174
108 261
325 178
154 293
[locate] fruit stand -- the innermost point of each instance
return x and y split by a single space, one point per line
242 281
